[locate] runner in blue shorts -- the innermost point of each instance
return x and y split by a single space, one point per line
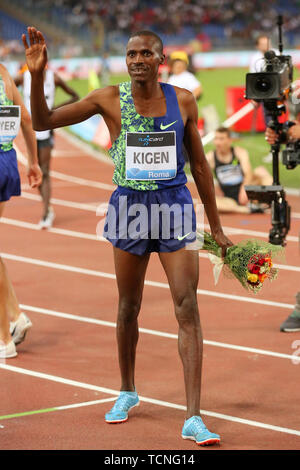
13 323
151 209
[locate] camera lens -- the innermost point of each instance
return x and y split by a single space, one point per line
263 85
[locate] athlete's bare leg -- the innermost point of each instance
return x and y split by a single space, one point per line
44 157
130 272
182 270
261 176
227 204
9 307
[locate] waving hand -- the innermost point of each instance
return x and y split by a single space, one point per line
36 52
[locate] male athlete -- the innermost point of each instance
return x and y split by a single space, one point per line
148 123
233 171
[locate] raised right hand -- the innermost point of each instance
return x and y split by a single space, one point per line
36 53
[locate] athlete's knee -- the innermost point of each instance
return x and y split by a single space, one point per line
45 171
261 172
186 308
128 309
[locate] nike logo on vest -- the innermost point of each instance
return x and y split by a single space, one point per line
163 127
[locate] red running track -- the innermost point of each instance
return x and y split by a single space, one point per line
64 279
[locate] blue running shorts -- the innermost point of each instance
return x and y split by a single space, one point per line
140 222
9 175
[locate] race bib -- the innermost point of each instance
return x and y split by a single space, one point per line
10 118
151 155
229 175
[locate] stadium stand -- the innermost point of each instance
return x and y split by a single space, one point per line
230 24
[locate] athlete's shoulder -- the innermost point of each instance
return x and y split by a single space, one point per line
105 99
4 74
183 94
104 94
111 91
240 152
187 103
4 71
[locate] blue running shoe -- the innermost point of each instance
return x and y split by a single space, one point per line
119 412
195 429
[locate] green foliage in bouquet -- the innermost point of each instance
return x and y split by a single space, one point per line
250 261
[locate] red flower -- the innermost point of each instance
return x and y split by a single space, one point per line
255 269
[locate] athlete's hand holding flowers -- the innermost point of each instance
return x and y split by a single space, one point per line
222 241
250 261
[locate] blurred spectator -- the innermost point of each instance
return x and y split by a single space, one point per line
181 77
262 44
105 70
10 49
224 22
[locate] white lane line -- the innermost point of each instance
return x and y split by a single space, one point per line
82 181
287 267
153 401
63 202
86 403
25 414
99 155
90 236
92 272
59 153
94 321
58 231
254 233
63 267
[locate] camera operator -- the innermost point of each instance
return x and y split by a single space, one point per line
292 323
293 134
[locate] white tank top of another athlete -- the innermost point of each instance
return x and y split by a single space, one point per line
49 91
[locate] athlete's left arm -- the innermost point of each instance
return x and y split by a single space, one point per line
201 171
59 82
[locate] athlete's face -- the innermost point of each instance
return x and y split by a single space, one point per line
222 142
143 57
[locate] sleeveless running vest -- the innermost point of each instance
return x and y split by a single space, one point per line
49 91
229 175
135 139
4 101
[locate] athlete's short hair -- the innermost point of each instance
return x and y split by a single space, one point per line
149 33
224 130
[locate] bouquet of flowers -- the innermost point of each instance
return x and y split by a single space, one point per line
250 261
